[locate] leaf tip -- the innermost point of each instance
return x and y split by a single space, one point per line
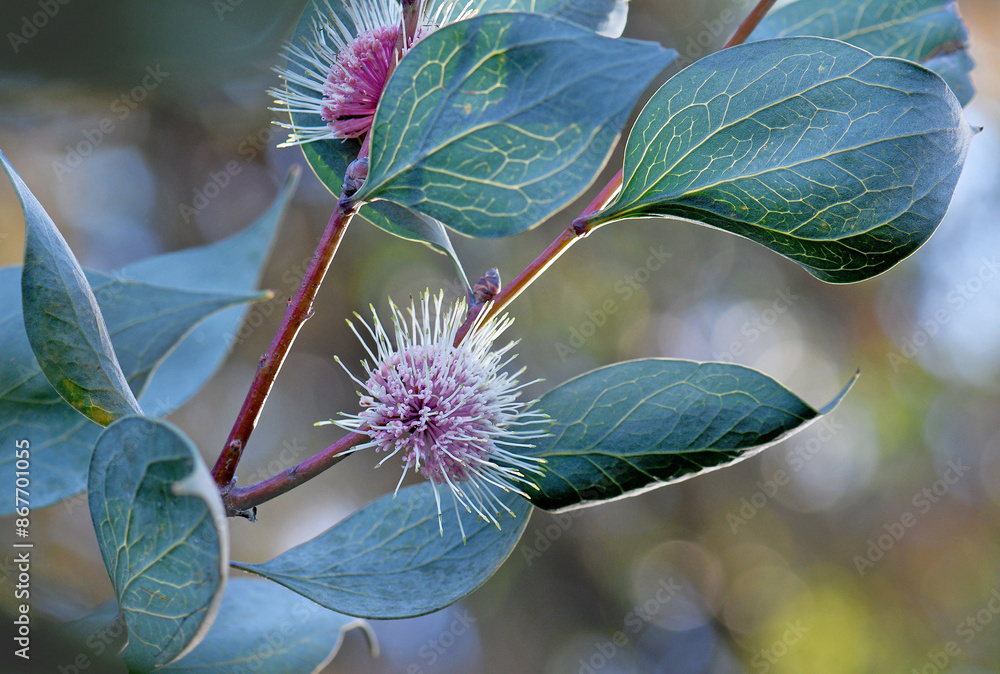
829 407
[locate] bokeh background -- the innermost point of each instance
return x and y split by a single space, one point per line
785 563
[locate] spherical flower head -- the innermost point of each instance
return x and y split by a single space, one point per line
449 412
339 73
356 80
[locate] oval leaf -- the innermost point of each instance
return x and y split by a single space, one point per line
841 161
163 536
144 323
62 320
299 635
388 560
630 427
929 32
472 132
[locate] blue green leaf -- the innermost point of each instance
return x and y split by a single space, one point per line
841 161
929 32
232 265
626 428
167 333
144 322
263 627
63 321
388 560
472 132
163 535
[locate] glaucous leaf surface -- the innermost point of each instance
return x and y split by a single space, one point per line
930 32
838 160
388 560
472 132
231 265
163 535
263 627
626 428
62 320
144 322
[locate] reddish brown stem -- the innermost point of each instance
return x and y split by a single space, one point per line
523 280
242 500
298 311
606 194
749 23
581 227
576 231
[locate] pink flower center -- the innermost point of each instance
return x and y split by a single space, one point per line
356 81
428 404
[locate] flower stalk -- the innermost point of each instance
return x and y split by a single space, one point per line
243 501
298 311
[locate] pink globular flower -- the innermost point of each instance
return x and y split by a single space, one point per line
337 75
339 72
450 412
355 83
